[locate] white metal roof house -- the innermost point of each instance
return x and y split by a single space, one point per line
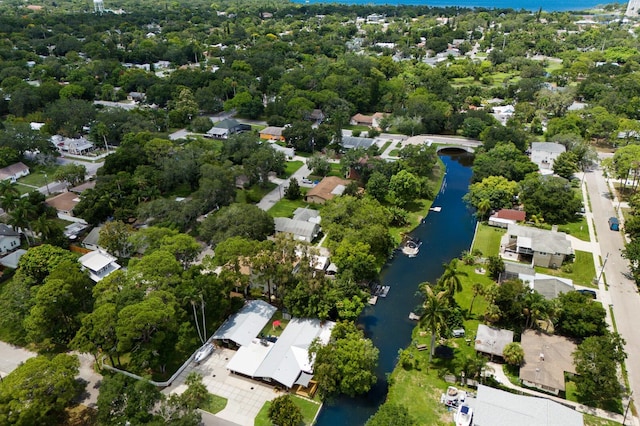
545 153
14 172
99 264
242 327
494 407
544 248
300 229
287 360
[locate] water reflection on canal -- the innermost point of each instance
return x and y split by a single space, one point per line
444 235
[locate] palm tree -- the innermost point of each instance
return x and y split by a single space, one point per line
9 195
433 317
483 207
477 289
45 227
22 215
450 278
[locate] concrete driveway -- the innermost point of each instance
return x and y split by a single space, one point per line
274 196
11 357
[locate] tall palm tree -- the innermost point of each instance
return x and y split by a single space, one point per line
477 289
9 195
450 278
45 227
22 215
433 317
483 207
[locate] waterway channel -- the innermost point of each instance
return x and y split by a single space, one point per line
444 235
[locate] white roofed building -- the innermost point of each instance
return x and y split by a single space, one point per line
242 327
545 153
99 264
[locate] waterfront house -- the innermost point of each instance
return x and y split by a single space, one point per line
492 340
494 407
538 246
301 230
546 360
505 217
242 327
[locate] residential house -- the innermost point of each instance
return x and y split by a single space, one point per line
137 96
64 203
9 239
227 127
14 172
543 248
301 230
91 240
306 214
503 113
285 361
546 360
245 325
289 153
548 286
99 263
494 407
12 259
545 153
372 121
272 133
83 187
327 189
492 340
77 146
317 116
352 142
505 217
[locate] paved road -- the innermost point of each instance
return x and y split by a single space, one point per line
11 357
623 292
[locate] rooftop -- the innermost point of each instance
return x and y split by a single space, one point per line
540 240
326 187
492 340
242 327
546 358
548 147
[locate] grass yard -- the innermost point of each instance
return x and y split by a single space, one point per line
336 170
285 207
291 167
37 176
464 297
214 404
487 239
590 420
307 408
394 153
386 145
578 229
583 273
254 194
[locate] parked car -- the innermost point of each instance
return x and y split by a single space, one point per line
307 181
590 293
458 332
614 225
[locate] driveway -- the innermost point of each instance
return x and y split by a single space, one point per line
11 357
274 196
245 397
622 291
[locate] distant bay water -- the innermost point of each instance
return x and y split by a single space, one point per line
546 5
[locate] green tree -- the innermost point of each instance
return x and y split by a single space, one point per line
579 316
450 278
477 289
353 259
293 190
283 412
597 360
346 364
498 190
404 187
114 237
39 391
434 312
513 354
97 334
565 165
237 220
262 162
319 165
378 186
390 414
550 197
502 160
38 262
73 174
196 394
123 399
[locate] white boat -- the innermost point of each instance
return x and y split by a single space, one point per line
464 415
203 352
453 397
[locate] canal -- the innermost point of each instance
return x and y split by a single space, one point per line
444 235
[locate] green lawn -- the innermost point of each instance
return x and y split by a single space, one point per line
307 408
214 404
37 176
394 153
291 167
578 229
487 239
583 273
386 145
336 170
285 207
590 420
254 194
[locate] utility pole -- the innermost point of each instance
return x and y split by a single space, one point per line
602 269
627 410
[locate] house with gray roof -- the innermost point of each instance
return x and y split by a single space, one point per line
14 172
546 359
545 153
9 239
307 214
245 325
492 340
352 142
300 229
285 361
494 407
538 246
227 127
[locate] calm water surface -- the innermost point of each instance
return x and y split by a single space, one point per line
444 235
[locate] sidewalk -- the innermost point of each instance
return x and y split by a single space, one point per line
499 375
